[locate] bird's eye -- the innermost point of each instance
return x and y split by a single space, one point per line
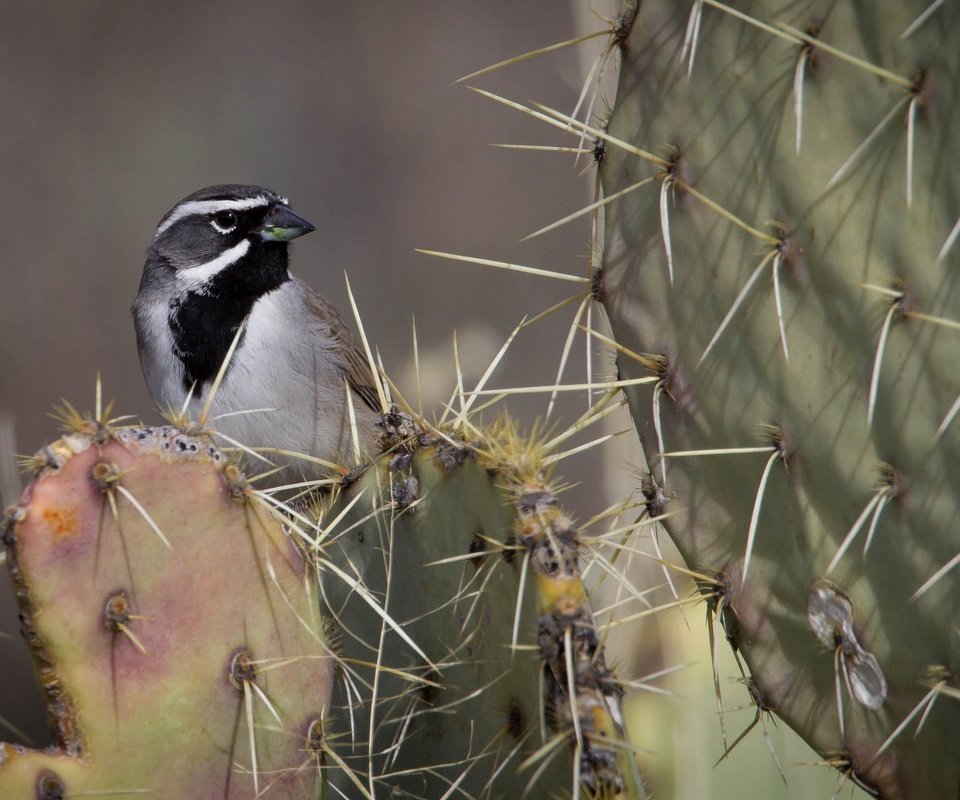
224 221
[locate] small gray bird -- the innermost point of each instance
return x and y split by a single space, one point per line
217 258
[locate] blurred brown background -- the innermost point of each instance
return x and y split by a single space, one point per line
113 111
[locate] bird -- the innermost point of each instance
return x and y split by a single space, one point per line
218 260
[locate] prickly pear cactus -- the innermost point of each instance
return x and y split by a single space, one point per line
179 650
784 266
484 669
424 627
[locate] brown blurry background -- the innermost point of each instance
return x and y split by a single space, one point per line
113 111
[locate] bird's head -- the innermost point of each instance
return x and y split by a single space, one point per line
224 236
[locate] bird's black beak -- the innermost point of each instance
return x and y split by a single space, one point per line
282 225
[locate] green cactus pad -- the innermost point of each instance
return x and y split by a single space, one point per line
799 292
467 547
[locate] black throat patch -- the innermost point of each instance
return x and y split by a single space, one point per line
205 321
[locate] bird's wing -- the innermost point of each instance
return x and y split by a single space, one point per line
355 366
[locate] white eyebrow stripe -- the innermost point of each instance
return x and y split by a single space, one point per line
195 278
195 207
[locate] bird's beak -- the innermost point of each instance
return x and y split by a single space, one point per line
282 225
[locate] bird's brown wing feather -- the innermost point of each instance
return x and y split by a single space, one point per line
355 366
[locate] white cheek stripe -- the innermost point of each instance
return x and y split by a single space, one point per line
194 278
195 207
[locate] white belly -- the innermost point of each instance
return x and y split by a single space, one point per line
283 390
